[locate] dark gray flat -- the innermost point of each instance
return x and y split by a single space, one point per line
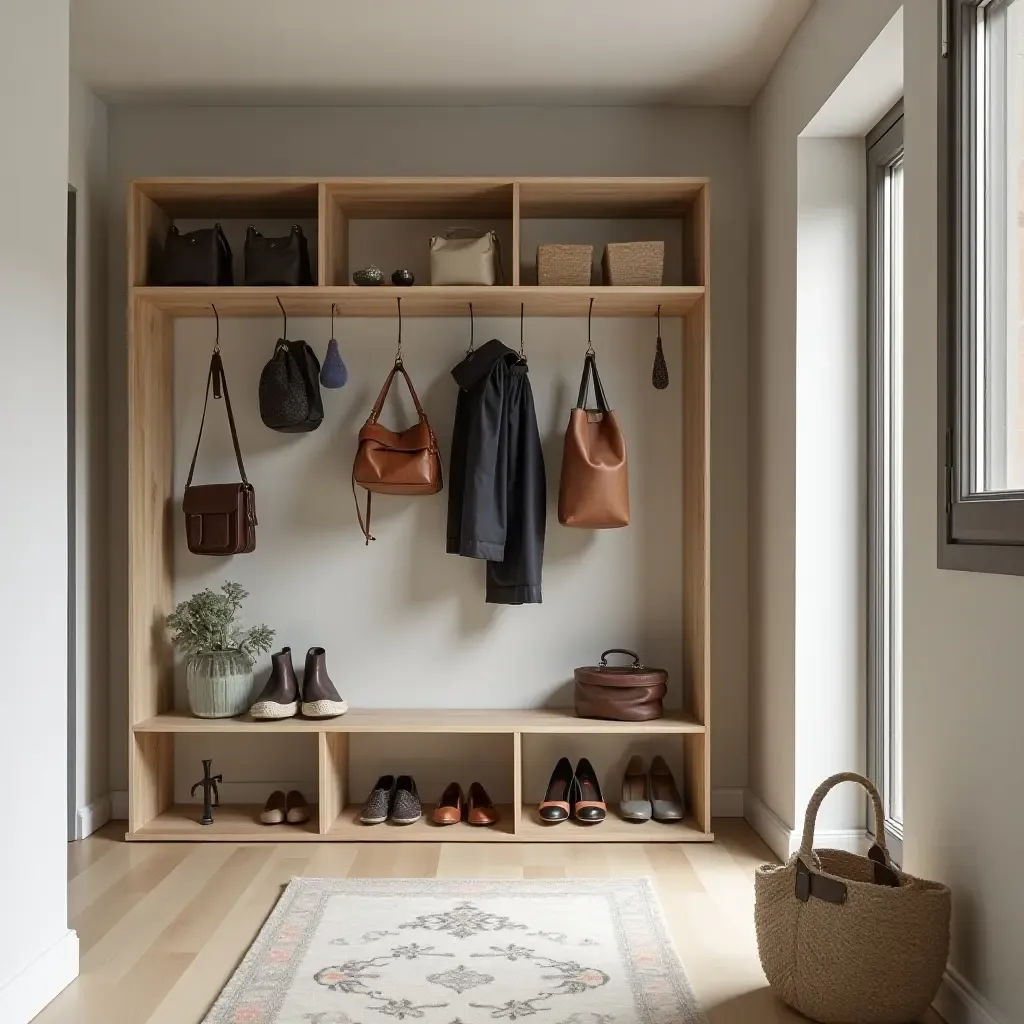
666 803
406 809
636 792
378 803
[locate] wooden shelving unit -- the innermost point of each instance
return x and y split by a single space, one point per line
335 203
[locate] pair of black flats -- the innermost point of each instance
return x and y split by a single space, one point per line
573 794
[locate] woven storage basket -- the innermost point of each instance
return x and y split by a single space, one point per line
564 264
844 938
634 263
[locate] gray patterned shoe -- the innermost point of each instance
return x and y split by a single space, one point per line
378 803
407 809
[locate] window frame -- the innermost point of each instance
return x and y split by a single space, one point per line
884 150
976 532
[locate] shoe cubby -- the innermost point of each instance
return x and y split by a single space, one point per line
511 753
167 764
351 222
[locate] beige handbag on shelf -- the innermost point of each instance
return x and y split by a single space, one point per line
464 256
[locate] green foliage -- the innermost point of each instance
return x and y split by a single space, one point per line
207 622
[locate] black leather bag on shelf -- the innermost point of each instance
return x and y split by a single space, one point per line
289 393
200 257
277 261
220 519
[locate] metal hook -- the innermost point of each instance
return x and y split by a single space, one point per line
216 343
285 315
522 314
590 344
398 354
332 321
472 326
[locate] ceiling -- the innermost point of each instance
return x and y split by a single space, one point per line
463 52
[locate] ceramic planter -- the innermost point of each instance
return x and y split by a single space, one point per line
219 684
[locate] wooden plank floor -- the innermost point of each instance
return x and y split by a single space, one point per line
162 926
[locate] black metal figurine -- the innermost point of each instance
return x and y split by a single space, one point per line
211 795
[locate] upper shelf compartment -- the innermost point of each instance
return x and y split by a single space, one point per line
354 222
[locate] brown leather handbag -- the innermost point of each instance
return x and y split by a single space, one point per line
387 462
629 693
594 489
220 519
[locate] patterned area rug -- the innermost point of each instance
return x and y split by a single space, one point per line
338 951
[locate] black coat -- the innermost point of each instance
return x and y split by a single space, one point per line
497 492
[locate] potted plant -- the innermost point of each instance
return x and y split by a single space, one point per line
219 652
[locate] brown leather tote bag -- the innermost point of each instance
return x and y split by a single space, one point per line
220 519
594 490
386 462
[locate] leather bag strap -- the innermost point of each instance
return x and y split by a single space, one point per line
364 526
217 377
590 368
378 406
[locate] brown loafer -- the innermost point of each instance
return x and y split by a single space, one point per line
449 808
480 809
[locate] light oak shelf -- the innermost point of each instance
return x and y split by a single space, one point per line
434 720
422 301
334 203
239 823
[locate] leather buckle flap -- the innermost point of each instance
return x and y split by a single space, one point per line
213 499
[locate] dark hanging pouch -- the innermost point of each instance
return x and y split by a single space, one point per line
197 258
220 519
277 261
289 391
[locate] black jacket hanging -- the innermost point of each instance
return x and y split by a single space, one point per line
497 495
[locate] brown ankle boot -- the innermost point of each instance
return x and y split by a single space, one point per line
280 697
319 697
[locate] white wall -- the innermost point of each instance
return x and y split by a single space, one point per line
827 45
963 645
87 173
38 955
831 499
169 141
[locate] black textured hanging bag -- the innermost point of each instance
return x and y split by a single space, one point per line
290 399
277 261
200 257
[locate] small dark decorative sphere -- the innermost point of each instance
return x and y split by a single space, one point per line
368 276
403 278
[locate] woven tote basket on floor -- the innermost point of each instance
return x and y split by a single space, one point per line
846 939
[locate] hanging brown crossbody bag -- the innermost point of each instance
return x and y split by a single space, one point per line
220 519
390 462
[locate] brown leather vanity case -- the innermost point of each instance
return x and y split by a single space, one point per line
622 693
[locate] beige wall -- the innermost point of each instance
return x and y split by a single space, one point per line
963 643
962 646
87 173
826 46
38 954
714 142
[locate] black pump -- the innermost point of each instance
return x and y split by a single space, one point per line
557 803
588 804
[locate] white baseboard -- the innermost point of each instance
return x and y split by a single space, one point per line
727 802
784 841
959 1002
27 993
119 805
92 816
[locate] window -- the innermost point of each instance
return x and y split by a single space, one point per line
885 466
981 489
